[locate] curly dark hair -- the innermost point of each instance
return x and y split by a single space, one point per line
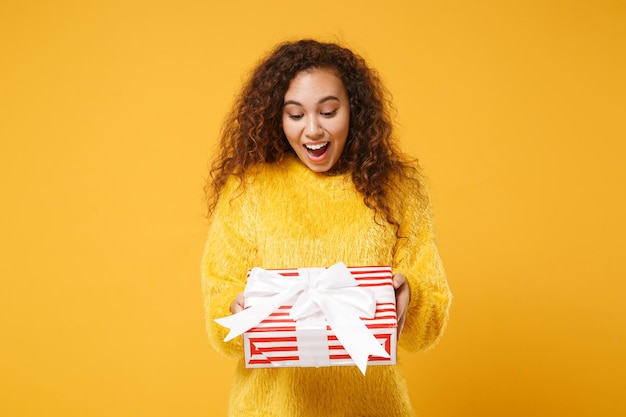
253 134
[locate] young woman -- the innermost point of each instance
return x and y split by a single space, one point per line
309 175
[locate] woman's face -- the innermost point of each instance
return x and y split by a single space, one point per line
316 118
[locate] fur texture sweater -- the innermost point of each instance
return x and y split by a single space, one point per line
288 216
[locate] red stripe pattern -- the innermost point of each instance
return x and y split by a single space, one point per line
273 343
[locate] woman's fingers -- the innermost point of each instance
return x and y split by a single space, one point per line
237 305
403 296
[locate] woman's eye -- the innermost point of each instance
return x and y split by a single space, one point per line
329 113
296 116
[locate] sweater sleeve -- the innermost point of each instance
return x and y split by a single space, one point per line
417 257
229 253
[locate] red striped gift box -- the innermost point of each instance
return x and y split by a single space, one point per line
273 342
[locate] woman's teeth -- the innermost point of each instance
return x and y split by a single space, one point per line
316 147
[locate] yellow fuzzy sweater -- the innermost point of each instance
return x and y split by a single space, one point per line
287 217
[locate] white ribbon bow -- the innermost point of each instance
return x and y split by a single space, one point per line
321 295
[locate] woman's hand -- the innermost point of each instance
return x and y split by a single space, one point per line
237 305
403 296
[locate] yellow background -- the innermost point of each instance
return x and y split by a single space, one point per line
109 111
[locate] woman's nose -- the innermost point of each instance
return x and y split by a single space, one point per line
314 128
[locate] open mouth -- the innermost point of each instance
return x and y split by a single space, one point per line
317 150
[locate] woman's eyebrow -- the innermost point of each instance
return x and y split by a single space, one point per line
323 100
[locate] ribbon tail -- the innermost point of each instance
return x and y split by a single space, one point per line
355 337
243 321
